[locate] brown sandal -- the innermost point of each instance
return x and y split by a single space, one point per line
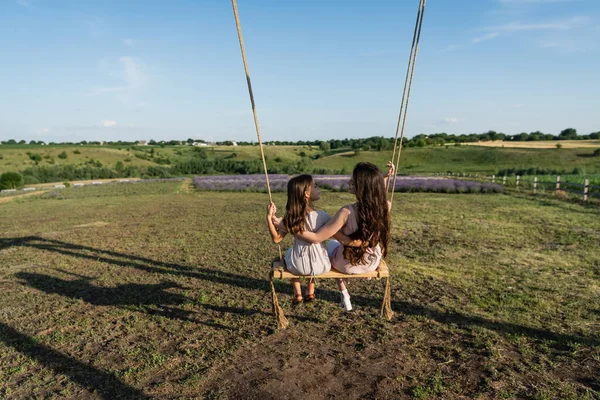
310 297
297 300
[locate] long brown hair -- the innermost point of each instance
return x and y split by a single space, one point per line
296 208
373 216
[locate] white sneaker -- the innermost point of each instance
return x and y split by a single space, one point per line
345 303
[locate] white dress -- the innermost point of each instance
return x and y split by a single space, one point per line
309 259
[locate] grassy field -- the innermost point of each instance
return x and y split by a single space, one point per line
147 291
462 159
546 144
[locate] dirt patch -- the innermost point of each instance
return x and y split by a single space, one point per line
7 199
316 363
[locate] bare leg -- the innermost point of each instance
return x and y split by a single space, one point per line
296 287
341 284
310 286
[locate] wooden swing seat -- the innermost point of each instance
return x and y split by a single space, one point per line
278 271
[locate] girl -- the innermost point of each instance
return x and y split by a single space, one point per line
303 258
367 222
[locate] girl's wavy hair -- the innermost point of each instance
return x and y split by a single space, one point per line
297 204
372 212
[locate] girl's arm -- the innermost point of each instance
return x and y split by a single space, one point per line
276 234
327 230
347 240
389 174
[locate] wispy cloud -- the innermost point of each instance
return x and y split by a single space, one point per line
130 75
130 43
449 121
485 37
107 123
452 47
24 3
96 26
564 25
41 131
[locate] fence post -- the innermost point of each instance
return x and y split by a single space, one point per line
557 184
504 180
517 184
493 178
586 190
534 184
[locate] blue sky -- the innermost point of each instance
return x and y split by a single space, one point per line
108 70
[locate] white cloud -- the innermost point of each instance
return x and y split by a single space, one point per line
129 73
24 3
41 131
483 38
107 123
449 121
130 42
563 25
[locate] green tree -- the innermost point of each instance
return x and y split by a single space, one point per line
63 155
324 146
568 134
11 180
119 166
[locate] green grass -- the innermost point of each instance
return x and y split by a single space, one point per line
110 293
463 159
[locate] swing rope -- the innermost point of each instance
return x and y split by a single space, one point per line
386 311
412 62
282 322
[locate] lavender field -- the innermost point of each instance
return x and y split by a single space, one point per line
339 183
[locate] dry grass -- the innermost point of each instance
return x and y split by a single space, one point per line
546 144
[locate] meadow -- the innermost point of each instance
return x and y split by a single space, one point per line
293 159
158 291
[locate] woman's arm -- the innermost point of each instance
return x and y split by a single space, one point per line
389 174
347 240
276 234
327 230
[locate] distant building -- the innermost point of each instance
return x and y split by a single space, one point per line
234 143
201 144
142 143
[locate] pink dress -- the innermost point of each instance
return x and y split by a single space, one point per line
336 250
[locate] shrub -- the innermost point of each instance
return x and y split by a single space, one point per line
558 145
302 154
11 180
597 153
76 152
67 184
277 159
63 155
35 157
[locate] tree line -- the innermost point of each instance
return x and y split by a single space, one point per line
371 143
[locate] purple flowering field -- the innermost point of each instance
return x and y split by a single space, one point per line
340 183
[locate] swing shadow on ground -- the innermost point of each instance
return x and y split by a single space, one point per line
246 282
103 383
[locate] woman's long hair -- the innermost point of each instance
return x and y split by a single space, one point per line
373 216
296 208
